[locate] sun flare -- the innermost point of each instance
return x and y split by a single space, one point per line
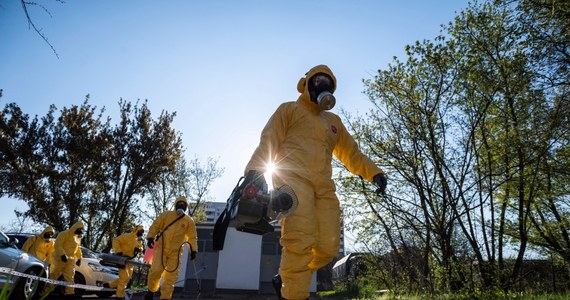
269 170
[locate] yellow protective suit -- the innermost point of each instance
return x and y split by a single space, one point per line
69 244
168 254
126 244
300 139
39 247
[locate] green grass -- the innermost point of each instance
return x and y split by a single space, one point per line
4 293
463 296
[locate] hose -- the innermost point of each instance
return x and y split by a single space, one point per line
178 264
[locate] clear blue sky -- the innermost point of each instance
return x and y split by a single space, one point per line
223 66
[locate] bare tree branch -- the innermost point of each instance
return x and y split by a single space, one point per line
31 24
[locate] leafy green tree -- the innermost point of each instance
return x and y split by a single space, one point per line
504 112
142 150
473 131
80 167
47 163
546 24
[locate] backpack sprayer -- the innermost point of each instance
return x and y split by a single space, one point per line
119 261
251 208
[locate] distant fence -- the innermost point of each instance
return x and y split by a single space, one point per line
535 274
544 275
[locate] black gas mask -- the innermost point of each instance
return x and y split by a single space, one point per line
79 232
48 236
181 208
321 87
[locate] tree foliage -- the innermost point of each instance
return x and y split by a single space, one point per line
472 129
78 166
192 181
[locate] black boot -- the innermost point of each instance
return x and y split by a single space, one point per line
119 298
277 283
149 295
69 297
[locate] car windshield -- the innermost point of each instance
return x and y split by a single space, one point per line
3 239
88 253
21 237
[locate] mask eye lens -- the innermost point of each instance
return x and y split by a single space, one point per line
322 79
321 83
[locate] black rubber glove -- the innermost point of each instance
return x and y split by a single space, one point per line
381 181
78 262
193 255
150 243
64 258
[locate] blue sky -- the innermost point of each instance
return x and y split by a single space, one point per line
223 66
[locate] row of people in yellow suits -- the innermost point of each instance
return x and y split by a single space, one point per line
170 231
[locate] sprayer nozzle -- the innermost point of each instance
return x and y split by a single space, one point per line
282 202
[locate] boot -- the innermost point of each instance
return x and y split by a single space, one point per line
149 295
277 283
69 297
119 298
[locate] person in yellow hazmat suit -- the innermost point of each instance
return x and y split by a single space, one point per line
66 256
127 244
299 140
41 245
168 233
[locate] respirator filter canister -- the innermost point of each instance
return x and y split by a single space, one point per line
326 100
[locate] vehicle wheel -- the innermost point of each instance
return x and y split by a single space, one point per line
27 287
78 278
